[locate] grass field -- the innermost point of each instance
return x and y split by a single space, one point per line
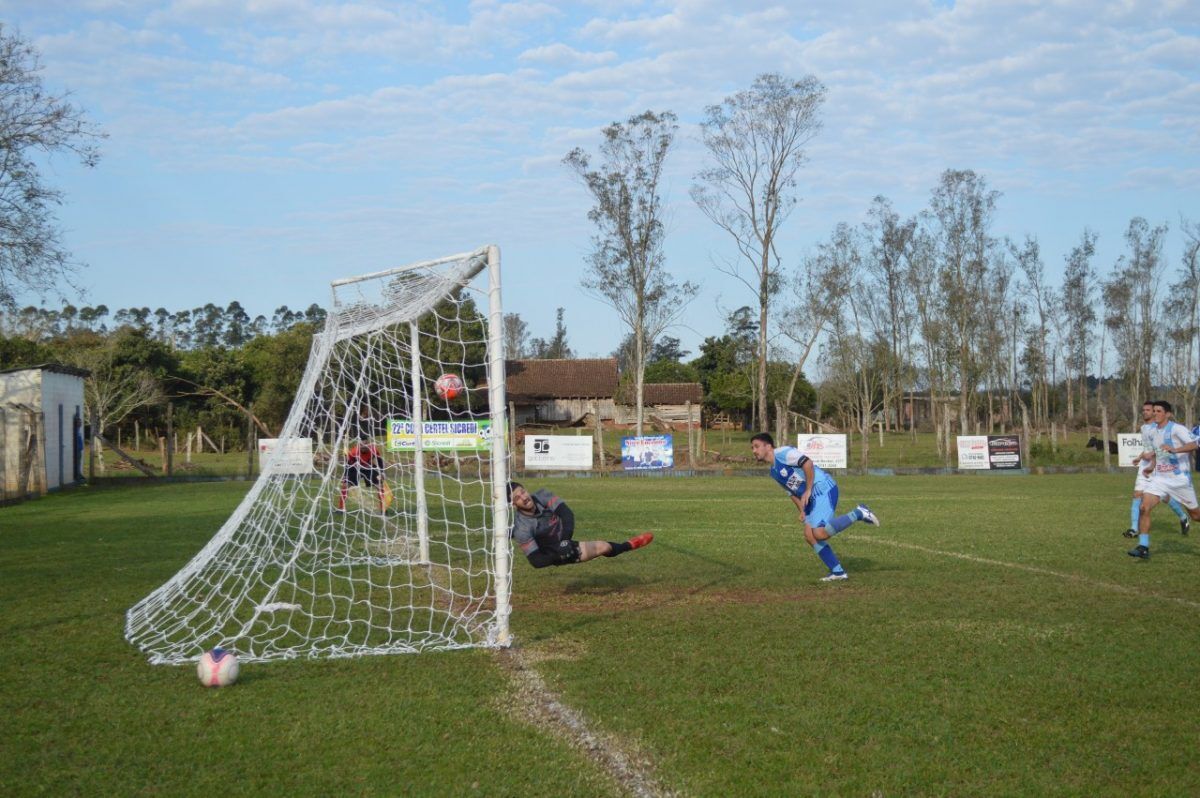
994 639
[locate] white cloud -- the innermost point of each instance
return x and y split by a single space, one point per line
563 56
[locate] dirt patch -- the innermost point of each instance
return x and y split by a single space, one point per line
587 602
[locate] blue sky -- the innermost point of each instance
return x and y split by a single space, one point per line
260 148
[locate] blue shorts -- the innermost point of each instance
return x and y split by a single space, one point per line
821 506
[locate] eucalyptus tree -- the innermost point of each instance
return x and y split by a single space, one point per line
1079 317
756 141
627 266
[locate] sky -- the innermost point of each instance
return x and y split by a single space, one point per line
259 149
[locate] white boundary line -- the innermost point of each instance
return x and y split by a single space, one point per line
1033 569
544 709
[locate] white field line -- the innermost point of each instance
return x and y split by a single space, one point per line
539 706
1033 569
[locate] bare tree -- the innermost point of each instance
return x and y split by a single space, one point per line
1079 316
32 120
627 267
114 390
819 288
756 139
961 210
1132 308
1183 304
1040 352
885 264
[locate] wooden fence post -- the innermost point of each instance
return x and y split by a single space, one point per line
250 444
171 443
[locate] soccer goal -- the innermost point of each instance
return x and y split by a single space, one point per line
379 522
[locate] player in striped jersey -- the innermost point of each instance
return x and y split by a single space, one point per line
815 494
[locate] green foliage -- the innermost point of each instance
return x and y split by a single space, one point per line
16 352
276 364
671 371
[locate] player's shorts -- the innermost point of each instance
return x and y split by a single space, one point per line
1174 486
821 505
1139 484
358 474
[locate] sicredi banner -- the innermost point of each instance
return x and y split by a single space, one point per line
647 452
295 455
825 450
439 436
569 452
1129 446
973 452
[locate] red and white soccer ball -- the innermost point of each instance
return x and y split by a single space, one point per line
217 668
449 386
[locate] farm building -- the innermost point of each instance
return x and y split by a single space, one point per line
668 405
561 392
41 429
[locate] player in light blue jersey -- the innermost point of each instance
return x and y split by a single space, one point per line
1168 448
1142 479
815 495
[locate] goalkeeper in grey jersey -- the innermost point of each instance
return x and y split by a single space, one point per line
544 527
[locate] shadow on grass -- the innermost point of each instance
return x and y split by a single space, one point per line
618 586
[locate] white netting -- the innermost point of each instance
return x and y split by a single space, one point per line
395 539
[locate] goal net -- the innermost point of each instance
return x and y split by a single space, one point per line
379 521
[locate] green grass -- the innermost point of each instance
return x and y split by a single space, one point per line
1050 664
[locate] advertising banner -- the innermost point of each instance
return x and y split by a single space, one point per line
973 452
295 455
1004 451
647 452
826 450
440 436
573 452
989 452
1129 446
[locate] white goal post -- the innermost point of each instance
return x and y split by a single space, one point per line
392 536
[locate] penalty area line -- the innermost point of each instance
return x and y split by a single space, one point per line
1033 569
537 705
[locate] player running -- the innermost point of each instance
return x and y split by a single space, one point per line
815 495
1170 475
1142 479
544 526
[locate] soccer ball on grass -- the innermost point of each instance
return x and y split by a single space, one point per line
217 668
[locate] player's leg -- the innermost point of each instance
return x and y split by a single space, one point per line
818 518
349 476
590 549
1150 500
1135 511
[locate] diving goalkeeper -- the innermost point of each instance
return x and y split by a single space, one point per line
543 527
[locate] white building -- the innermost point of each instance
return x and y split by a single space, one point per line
41 429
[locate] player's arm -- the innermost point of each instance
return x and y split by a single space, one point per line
1184 442
565 516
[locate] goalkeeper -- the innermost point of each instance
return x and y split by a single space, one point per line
543 527
364 465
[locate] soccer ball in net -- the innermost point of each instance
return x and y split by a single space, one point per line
217 668
448 386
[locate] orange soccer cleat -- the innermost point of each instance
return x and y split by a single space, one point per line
641 540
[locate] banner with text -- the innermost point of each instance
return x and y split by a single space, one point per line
573 452
1129 446
647 452
825 450
989 452
440 436
295 455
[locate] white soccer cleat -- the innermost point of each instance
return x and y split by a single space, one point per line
868 517
836 577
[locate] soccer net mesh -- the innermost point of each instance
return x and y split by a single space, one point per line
378 523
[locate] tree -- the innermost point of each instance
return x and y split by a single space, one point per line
32 120
516 336
557 347
626 268
756 139
1040 352
891 240
960 211
1079 315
